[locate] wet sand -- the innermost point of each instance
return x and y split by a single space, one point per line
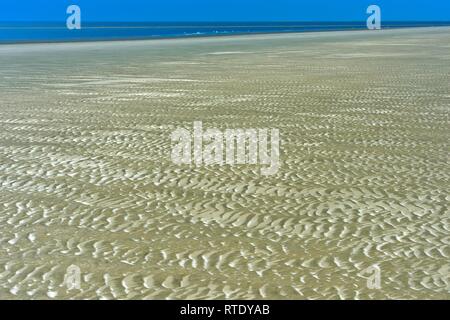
86 177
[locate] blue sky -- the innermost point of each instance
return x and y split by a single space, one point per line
224 10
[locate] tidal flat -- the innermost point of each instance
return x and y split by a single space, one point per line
86 177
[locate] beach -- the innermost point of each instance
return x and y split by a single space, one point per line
86 177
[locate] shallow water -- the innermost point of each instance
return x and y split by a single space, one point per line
92 31
86 177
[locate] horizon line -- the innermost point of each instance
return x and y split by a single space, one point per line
223 21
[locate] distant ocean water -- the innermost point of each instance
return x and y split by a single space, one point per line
92 31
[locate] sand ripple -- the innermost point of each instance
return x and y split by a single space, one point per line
86 176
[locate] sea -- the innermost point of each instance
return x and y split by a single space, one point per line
95 31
